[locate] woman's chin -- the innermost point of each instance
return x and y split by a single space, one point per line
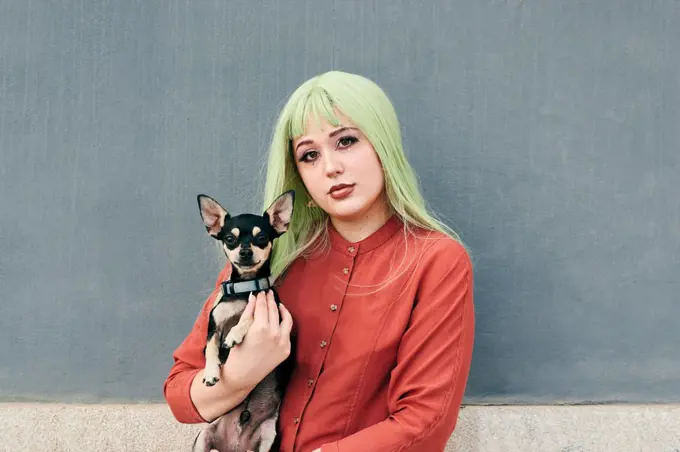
352 209
347 210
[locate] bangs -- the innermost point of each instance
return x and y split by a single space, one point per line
316 104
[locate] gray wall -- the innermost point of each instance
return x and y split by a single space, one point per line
545 132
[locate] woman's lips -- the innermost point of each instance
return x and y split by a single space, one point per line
341 191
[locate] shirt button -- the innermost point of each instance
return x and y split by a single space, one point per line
350 249
334 307
323 344
345 270
310 382
296 420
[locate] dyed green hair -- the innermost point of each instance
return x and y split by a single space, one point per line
369 109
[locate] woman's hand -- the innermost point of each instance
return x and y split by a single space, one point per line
265 345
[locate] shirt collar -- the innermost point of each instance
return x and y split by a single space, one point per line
387 230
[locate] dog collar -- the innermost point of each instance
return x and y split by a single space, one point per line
240 287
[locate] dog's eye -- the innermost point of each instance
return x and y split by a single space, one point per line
230 240
261 240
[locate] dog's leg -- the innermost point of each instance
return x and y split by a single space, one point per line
211 373
267 434
212 347
238 332
204 440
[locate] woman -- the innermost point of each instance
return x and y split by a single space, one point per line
381 293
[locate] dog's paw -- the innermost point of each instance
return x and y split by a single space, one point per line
233 338
211 381
210 378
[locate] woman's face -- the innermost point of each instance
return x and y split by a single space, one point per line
341 170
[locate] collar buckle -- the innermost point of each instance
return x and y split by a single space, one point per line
242 287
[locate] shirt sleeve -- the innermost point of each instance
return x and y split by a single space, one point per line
188 361
433 361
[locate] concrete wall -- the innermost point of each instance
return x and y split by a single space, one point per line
545 132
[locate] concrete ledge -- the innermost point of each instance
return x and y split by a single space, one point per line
151 428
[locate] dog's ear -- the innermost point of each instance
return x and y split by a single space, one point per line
281 211
212 213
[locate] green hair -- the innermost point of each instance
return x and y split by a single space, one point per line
369 109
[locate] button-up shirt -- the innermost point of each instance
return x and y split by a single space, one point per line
383 341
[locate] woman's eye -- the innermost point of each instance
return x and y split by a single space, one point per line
309 156
347 141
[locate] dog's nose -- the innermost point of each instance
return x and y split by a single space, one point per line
245 253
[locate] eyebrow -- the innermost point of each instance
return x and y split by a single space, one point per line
330 135
340 130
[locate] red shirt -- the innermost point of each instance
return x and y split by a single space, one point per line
384 335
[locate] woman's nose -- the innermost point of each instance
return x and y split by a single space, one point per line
332 164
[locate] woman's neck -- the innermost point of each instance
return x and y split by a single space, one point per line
356 229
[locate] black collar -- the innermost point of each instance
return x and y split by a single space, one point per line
242 287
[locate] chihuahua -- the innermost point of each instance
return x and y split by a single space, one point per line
247 241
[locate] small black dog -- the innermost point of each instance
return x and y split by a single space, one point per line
247 242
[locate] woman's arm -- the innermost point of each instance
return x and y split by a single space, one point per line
212 402
433 361
188 365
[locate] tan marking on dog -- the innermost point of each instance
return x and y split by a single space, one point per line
238 332
225 311
220 313
236 232
262 254
232 255
256 231
211 374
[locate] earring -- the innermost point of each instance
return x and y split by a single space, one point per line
311 203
